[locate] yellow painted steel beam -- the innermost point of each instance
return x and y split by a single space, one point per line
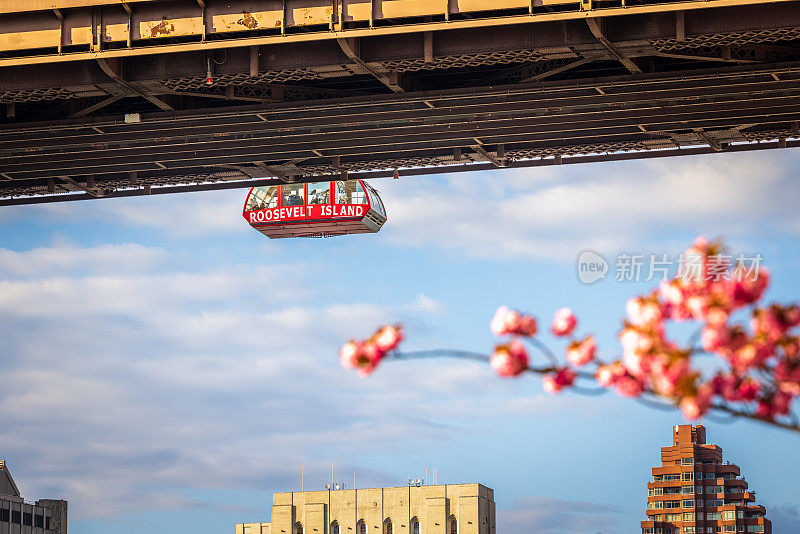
685 5
27 6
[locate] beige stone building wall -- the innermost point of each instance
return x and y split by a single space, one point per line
442 509
20 517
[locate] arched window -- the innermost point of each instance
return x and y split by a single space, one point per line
361 527
453 526
414 525
298 528
335 527
387 526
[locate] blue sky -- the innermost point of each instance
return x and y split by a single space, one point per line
165 366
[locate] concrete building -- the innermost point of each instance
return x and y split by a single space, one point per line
694 492
441 509
17 516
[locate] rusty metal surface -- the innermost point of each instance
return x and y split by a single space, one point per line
107 30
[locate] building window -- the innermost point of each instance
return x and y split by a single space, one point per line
335 527
730 528
47 523
687 461
688 490
414 526
453 526
361 527
688 476
688 516
298 528
38 521
16 517
647 530
4 515
710 476
688 530
387 526
688 503
27 519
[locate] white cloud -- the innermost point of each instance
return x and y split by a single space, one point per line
546 515
556 212
119 383
66 259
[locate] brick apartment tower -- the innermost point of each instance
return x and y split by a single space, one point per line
694 492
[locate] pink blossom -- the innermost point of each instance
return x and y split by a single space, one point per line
349 354
666 376
634 341
361 355
695 406
643 311
388 337
510 360
608 375
511 322
781 402
674 295
555 382
564 322
580 353
628 386
714 338
765 410
747 288
727 386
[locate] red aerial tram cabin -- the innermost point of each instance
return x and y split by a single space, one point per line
317 209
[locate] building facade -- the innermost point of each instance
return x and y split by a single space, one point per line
694 492
17 516
440 509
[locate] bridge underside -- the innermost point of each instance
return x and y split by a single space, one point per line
205 105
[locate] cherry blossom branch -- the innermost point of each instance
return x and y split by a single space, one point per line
759 363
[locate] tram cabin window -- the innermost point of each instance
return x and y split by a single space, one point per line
350 192
319 193
263 198
294 195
